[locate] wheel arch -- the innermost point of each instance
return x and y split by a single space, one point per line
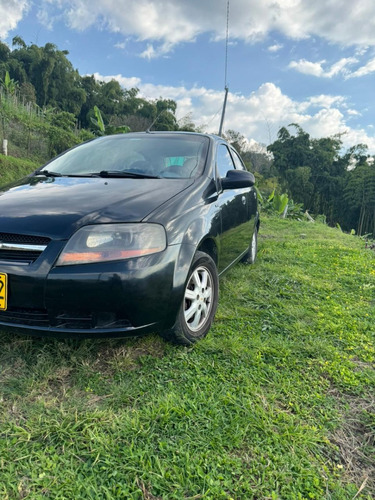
208 246
203 298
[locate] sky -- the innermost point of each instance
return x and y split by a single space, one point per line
288 61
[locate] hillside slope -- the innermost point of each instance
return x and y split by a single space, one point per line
15 168
277 402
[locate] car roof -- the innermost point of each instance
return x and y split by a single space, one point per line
177 132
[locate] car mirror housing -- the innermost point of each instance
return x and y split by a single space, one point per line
236 179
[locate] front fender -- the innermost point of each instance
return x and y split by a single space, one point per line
181 271
200 230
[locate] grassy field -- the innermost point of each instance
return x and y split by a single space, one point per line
276 403
15 168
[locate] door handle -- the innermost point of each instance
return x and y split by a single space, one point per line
243 200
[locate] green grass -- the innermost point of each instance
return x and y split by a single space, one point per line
276 403
12 168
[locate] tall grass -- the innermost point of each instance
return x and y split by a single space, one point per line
15 168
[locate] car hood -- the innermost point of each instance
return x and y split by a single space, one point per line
56 207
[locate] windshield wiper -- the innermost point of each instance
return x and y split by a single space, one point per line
49 173
131 175
103 173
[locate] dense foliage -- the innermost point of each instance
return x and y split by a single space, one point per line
316 174
46 77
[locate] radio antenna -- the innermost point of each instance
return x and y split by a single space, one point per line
225 74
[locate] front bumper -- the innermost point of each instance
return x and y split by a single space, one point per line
76 332
123 298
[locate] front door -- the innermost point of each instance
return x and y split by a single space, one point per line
234 209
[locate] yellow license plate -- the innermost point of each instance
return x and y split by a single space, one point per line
3 291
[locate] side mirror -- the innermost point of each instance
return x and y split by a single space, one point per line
236 179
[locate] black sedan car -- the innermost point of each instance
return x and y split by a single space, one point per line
125 234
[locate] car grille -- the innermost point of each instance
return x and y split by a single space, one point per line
39 318
21 247
85 321
27 317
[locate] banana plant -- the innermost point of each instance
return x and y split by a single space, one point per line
98 121
279 202
8 84
109 130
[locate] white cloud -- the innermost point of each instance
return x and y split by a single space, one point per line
162 20
325 122
317 69
260 114
361 51
364 70
275 48
353 112
324 101
307 67
151 52
340 67
176 21
124 81
11 12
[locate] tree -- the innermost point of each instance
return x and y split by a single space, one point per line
17 41
61 132
359 192
186 124
27 92
257 159
160 114
53 77
7 89
237 140
311 170
4 59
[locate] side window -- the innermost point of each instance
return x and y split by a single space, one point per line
224 161
237 161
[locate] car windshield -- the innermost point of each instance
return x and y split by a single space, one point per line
134 155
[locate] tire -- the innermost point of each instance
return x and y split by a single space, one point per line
251 254
199 304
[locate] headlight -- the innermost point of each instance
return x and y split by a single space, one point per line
105 242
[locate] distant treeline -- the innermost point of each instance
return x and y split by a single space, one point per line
326 181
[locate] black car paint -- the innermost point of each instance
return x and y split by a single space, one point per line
57 206
130 296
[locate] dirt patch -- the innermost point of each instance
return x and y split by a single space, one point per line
267 236
355 441
147 495
362 365
126 357
12 370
